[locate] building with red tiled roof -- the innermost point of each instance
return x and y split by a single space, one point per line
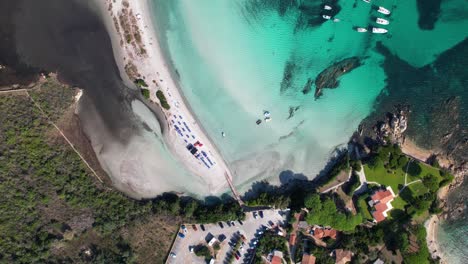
308 259
381 202
320 232
342 256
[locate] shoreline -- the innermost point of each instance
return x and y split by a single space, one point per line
143 58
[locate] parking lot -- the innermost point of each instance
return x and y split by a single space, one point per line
250 228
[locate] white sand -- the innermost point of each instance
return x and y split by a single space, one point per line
432 226
152 66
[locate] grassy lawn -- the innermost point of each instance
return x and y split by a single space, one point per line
363 208
426 169
381 176
396 177
418 188
399 203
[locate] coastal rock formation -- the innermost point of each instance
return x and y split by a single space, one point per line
328 78
392 128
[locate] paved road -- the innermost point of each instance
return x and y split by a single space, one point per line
249 229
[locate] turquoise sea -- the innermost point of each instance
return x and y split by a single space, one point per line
237 58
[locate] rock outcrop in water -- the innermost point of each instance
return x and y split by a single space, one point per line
328 78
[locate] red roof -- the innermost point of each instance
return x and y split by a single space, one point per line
276 260
322 233
378 216
382 196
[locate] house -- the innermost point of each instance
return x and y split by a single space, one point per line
320 233
342 256
308 259
381 203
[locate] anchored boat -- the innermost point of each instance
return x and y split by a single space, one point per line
379 30
361 29
327 7
382 21
383 10
367 1
326 17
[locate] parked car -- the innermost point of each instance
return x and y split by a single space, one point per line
202 227
260 213
228 223
173 255
181 235
221 238
221 224
254 215
232 223
184 228
240 222
237 257
194 227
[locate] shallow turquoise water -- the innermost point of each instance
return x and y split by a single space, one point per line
230 56
231 62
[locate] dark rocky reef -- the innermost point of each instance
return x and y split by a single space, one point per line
307 86
288 76
438 101
328 78
429 11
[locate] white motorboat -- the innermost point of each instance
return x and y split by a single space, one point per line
383 10
367 1
327 7
361 29
379 30
223 134
382 21
326 17
336 20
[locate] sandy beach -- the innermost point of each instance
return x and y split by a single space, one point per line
139 55
432 227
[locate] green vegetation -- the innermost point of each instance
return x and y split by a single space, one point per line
269 242
145 93
202 251
341 164
141 83
394 179
352 184
422 254
270 199
399 203
162 100
363 207
324 212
